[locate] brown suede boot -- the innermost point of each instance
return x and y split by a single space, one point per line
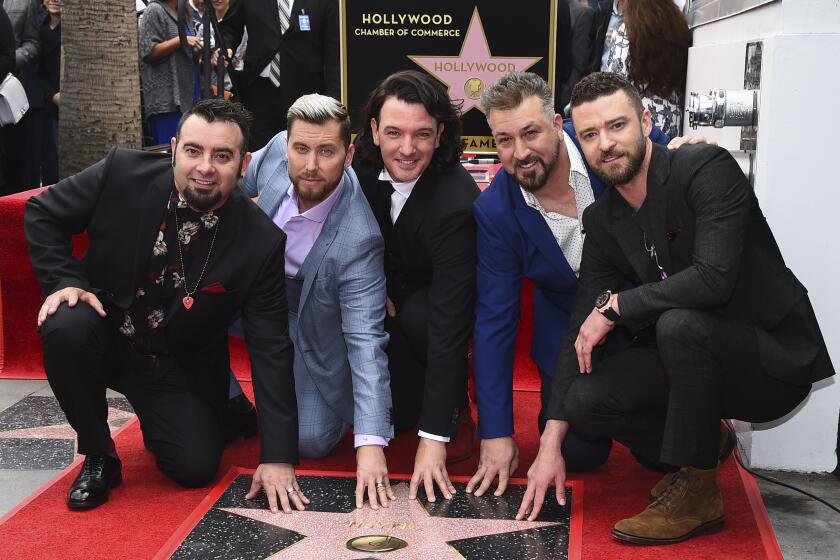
689 506
659 487
726 444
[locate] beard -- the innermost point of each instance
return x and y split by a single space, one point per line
314 194
201 202
536 178
625 173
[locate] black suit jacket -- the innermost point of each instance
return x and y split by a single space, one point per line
562 52
120 202
602 22
432 245
719 254
309 60
582 36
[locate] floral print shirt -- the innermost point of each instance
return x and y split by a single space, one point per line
162 279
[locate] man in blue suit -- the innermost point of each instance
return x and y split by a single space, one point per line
335 285
529 226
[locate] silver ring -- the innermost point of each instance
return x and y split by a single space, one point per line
291 491
380 484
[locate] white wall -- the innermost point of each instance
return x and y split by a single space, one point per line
797 180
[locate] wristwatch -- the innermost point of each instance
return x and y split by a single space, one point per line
602 304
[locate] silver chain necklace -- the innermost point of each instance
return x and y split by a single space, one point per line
188 299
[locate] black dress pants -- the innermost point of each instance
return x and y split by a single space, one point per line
407 349
263 100
84 355
664 397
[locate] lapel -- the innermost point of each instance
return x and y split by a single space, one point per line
657 202
416 207
294 6
278 185
626 230
536 230
313 260
152 206
381 207
626 233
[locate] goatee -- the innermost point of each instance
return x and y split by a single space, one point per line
201 202
541 172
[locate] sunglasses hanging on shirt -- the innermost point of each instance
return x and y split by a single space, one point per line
651 251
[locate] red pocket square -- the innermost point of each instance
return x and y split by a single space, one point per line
214 288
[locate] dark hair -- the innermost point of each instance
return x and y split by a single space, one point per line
315 108
659 39
217 109
412 86
600 84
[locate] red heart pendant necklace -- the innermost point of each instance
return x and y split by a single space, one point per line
188 299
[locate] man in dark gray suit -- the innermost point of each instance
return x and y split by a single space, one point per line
722 328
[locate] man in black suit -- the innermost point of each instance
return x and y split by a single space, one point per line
175 252
293 49
722 328
409 167
582 31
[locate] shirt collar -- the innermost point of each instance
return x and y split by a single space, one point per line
320 211
576 164
403 188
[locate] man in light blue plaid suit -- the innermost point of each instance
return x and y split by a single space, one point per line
335 284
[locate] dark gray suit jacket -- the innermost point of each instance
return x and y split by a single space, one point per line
719 253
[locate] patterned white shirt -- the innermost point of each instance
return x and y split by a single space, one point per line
566 230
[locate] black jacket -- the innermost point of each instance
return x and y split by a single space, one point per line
432 245
719 254
310 60
119 203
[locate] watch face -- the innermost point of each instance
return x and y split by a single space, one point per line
602 299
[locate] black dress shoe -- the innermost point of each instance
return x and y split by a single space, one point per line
99 474
240 419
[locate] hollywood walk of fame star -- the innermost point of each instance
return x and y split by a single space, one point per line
326 532
474 68
116 418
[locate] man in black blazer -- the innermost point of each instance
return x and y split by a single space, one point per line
721 327
582 31
409 168
175 252
306 43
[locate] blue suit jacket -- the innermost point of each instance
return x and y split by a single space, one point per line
339 334
515 242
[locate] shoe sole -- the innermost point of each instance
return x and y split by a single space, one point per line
116 481
713 526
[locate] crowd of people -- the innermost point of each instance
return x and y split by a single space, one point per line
30 40
650 48
365 269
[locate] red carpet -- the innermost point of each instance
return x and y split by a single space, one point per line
20 295
147 509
